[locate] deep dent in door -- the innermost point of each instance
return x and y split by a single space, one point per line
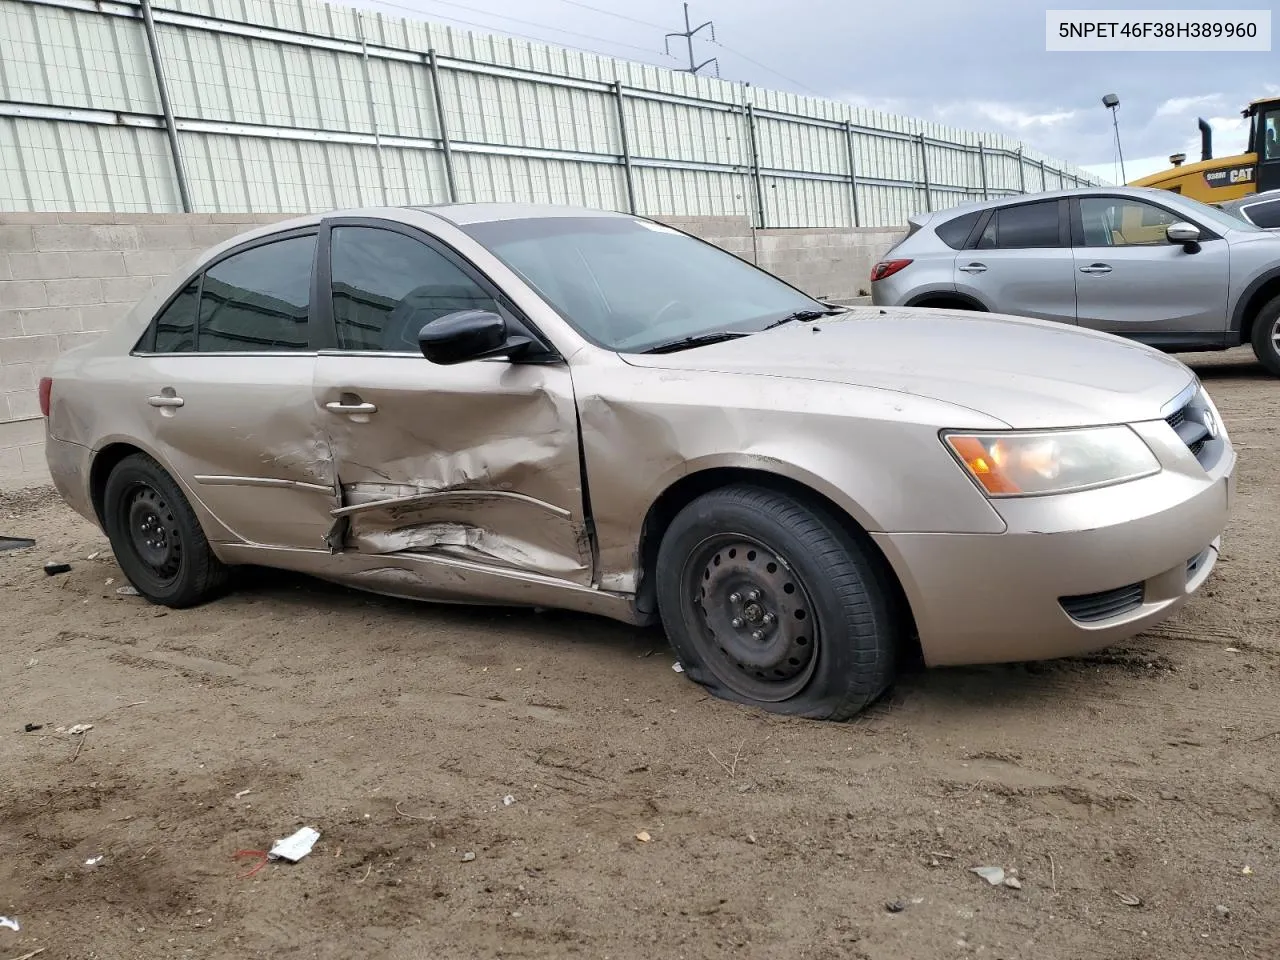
465 503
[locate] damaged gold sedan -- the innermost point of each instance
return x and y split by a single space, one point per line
569 408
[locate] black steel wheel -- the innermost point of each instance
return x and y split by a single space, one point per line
156 537
770 601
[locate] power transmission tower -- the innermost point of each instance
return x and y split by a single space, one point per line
688 35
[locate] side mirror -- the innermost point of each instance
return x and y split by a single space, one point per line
1187 234
467 335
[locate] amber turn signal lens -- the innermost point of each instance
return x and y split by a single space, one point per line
984 467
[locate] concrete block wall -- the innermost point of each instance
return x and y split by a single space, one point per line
67 277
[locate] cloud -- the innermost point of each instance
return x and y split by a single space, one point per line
1179 105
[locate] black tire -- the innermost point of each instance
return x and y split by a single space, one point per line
1266 336
156 537
831 647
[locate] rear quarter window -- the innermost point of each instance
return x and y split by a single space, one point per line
956 231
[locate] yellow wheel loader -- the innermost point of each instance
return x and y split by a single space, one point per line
1228 178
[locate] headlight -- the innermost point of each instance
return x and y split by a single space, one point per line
1023 464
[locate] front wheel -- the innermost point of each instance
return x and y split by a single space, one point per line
156 537
770 602
1266 336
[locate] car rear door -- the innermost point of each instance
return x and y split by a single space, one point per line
1130 280
1020 262
226 378
476 462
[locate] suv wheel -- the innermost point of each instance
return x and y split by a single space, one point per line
1266 336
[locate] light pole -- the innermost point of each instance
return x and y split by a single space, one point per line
1112 102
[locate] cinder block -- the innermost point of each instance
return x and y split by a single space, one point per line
148 263
69 341
16 294
73 292
28 349
6 272
166 236
22 432
15 238
243 218
17 376
204 236
24 404
34 462
47 320
10 324
27 216
95 264
125 289
10 457
88 236
38 266
102 316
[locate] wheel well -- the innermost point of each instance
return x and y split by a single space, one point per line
103 463
948 301
1260 298
687 489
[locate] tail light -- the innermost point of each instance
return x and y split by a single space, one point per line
46 388
887 268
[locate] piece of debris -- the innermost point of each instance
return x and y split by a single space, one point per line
993 875
1013 883
79 728
11 924
508 800
1232 649
895 906
1128 899
15 543
1247 871
127 592
677 667
468 857
294 848
643 836
751 838
52 568
242 793
1222 910
93 556
94 861
33 727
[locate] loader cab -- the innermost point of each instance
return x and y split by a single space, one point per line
1264 141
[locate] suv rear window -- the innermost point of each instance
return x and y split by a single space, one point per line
956 231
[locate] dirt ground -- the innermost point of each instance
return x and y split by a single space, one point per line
1136 792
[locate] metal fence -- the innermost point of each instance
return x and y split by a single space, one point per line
294 105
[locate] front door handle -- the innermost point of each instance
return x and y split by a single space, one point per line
164 401
1096 268
975 268
337 406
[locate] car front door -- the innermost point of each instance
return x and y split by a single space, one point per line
1130 280
226 374
476 462
1021 262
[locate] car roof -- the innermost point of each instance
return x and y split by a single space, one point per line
1250 198
1017 198
461 214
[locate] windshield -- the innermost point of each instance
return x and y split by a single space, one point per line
630 285
1214 215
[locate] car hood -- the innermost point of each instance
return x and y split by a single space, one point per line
1027 373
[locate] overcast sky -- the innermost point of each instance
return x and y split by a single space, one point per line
978 65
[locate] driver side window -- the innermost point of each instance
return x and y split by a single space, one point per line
1113 222
387 285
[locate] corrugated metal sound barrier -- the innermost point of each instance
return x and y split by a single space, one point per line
294 105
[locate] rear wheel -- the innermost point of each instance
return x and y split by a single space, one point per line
770 602
156 537
1266 336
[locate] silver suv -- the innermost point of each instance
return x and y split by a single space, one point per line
1141 263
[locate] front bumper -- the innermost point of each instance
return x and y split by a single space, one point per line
991 598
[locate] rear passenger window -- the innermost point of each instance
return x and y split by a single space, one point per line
1027 225
176 325
258 300
955 232
387 286
1266 215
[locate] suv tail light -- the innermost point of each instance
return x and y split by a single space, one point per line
887 268
46 388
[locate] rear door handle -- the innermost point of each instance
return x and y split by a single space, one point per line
163 401
974 268
1096 268
337 406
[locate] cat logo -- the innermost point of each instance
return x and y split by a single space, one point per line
1228 178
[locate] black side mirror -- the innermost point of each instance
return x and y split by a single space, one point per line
468 335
